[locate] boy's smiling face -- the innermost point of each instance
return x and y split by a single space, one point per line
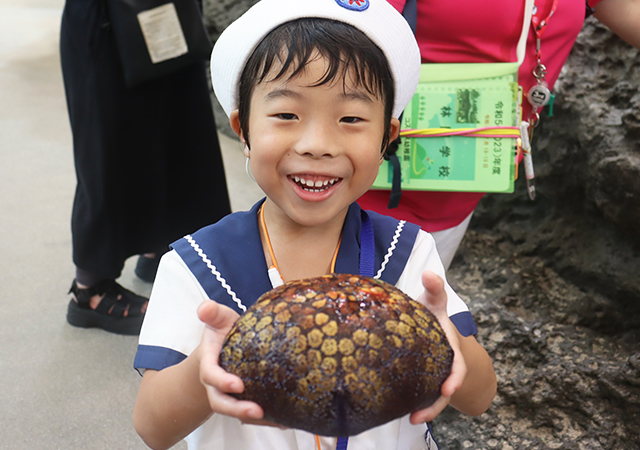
315 149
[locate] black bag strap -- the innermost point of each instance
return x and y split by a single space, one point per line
410 13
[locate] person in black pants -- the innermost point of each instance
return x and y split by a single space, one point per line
148 165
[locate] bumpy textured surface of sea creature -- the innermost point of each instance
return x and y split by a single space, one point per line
337 355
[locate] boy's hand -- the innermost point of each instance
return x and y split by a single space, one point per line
219 320
435 298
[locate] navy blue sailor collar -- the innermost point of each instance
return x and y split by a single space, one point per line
228 260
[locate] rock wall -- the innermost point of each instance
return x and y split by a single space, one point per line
220 13
554 284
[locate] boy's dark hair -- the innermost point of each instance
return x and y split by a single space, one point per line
342 45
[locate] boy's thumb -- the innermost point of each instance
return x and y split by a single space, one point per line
215 315
436 296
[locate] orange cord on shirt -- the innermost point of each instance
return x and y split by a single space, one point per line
274 264
272 256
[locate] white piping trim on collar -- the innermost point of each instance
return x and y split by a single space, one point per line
392 247
215 272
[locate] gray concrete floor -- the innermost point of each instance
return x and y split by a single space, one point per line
60 387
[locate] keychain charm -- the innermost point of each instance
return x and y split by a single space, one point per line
539 95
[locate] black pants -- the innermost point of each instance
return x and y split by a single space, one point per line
147 159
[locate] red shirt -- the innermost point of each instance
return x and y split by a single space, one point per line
465 31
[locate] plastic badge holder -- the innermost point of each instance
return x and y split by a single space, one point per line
469 113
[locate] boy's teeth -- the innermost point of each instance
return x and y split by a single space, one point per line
309 184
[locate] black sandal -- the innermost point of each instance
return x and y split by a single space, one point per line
110 313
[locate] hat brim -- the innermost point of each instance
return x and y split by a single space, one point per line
379 21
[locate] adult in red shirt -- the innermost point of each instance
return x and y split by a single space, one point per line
465 31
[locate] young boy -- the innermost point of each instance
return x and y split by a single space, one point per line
314 90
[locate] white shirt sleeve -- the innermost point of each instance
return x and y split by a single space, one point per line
424 256
171 326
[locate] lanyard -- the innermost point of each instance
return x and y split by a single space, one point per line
539 95
274 272
540 24
367 268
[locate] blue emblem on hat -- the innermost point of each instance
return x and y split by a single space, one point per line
354 5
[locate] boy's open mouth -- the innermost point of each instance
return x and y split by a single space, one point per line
314 184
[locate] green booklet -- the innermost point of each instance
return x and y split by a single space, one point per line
454 97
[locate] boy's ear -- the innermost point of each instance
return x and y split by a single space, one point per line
234 121
394 129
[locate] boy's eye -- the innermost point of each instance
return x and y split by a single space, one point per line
351 119
286 116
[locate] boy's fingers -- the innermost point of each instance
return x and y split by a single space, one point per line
219 319
456 378
229 406
247 412
215 376
436 296
449 387
217 316
436 300
430 413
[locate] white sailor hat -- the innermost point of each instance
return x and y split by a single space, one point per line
376 18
